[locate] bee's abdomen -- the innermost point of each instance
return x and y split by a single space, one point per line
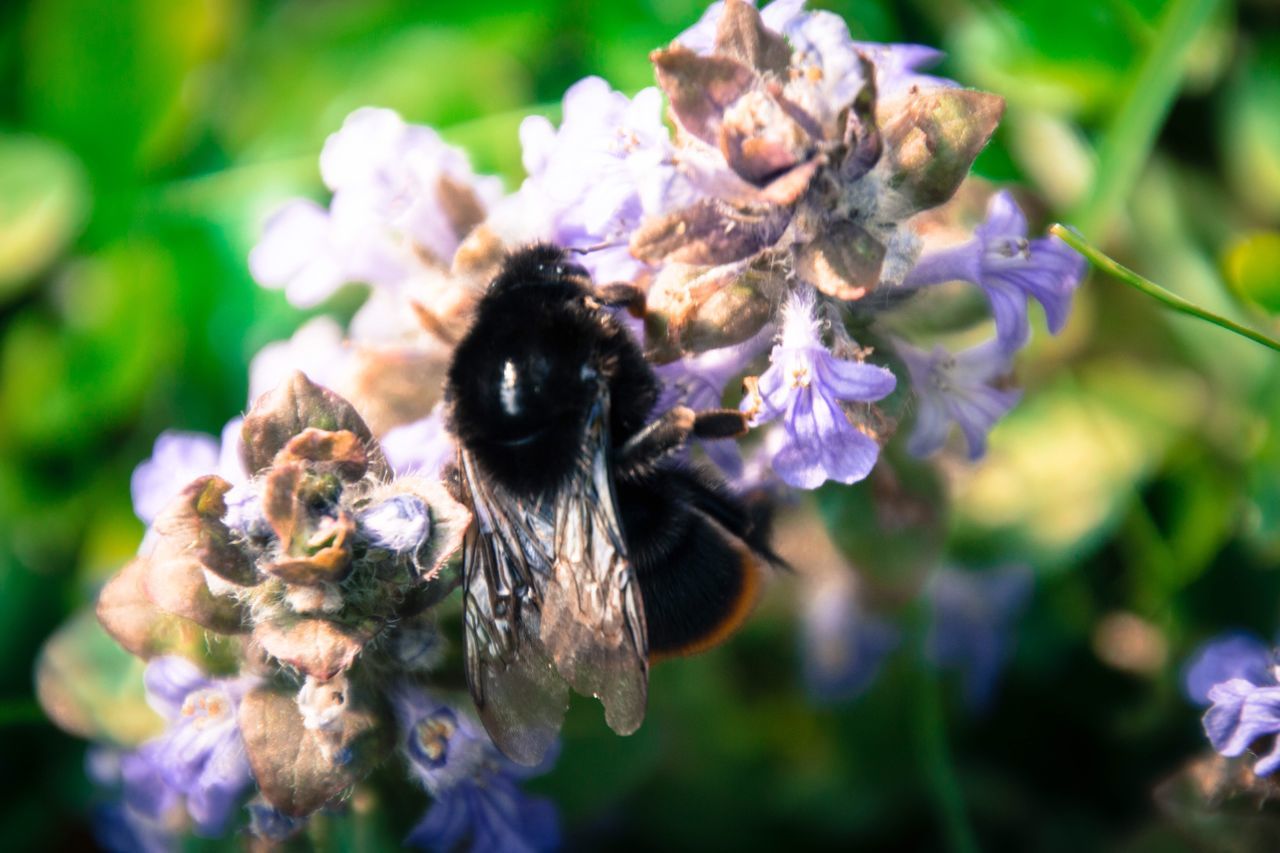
699 579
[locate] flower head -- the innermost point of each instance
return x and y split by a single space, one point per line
401 198
962 389
201 755
474 790
1010 269
805 386
591 181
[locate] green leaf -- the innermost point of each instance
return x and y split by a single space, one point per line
43 201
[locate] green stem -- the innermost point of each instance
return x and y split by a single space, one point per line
1142 109
935 760
1155 291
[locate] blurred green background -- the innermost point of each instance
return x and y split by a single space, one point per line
142 143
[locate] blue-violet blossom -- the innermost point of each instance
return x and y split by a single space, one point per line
805 386
1010 269
473 787
957 388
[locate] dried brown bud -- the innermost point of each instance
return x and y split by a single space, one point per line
289 409
930 142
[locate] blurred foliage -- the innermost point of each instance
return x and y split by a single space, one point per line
142 143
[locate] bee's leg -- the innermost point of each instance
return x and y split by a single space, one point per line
671 431
622 294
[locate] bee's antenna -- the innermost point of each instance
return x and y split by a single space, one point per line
586 250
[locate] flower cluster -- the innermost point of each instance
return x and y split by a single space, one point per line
804 210
318 569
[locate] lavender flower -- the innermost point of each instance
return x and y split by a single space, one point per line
316 348
1236 674
898 67
805 385
201 755
610 164
139 819
844 646
1010 269
960 388
422 447
178 458
401 196
972 617
473 787
1238 654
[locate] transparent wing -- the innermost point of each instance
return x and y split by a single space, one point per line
520 697
592 615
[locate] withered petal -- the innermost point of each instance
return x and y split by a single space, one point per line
843 262
341 451
709 233
741 35
699 88
299 770
320 648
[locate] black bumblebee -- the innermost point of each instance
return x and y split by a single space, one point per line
592 549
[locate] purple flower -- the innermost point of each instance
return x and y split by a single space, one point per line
316 348
699 381
1238 654
474 790
590 182
1010 269
139 820
843 645
422 447
178 458
1242 714
1236 675
777 15
960 389
200 756
972 617
804 386
389 208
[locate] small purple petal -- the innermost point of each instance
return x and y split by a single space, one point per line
177 459
1242 713
168 681
422 447
1235 655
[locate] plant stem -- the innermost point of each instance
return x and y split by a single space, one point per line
1155 291
1152 88
935 760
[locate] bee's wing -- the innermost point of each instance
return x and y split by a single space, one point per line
592 614
518 694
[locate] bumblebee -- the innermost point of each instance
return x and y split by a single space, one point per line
593 548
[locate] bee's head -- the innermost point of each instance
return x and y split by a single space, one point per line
538 265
